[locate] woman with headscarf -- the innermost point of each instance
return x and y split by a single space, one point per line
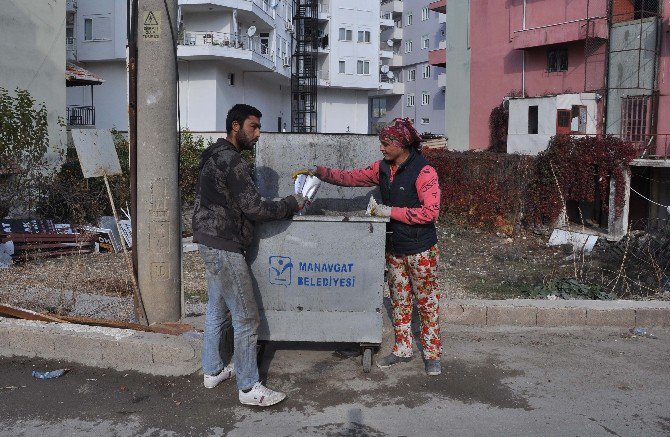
411 199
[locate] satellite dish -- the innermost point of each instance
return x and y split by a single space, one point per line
385 68
389 75
251 31
389 43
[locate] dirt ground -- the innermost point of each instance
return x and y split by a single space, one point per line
473 265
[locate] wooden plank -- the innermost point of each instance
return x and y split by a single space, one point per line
20 313
162 328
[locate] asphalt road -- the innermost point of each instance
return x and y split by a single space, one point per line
502 381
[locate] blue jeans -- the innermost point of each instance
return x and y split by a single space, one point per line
231 293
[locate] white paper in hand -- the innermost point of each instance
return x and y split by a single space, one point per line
307 186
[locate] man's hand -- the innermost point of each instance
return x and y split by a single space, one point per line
302 200
376 210
306 171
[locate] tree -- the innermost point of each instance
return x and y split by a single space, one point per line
24 142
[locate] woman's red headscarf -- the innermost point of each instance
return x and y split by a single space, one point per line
402 133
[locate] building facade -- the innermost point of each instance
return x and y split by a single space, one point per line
236 51
578 67
412 70
31 35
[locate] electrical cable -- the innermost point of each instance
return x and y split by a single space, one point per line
649 200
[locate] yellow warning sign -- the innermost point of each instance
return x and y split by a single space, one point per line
151 25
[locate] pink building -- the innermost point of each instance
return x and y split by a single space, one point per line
581 67
535 49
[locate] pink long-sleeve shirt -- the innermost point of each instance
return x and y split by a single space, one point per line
427 188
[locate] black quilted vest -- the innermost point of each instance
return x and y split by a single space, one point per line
405 239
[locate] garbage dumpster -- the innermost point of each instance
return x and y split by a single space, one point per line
319 277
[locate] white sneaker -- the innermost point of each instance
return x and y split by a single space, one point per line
261 396
212 381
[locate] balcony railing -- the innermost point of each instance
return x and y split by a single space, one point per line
385 79
228 40
386 16
80 115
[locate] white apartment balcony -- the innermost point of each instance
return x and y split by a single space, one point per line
442 45
385 53
392 6
248 53
385 83
70 49
397 33
396 60
248 11
442 80
386 19
398 88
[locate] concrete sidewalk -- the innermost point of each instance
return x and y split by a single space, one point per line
160 354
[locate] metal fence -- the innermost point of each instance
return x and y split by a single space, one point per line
229 40
81 115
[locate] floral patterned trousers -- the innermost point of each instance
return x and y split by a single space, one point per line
415 276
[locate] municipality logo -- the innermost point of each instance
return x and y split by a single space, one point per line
280 270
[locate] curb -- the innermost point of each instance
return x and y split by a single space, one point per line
545 313
120 349
166 355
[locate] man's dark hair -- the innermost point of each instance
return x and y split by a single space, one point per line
239 113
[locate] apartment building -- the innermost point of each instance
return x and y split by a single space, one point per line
412 72
235 51
579 67
348 63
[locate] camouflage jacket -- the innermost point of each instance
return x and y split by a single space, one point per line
227 203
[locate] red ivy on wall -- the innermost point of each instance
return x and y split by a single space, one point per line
501 192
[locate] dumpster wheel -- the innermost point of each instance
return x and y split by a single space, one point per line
367 359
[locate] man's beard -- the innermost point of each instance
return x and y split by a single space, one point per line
243 141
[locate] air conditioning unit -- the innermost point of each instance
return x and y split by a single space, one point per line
287 61
289 26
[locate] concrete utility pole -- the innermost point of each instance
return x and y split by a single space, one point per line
158 204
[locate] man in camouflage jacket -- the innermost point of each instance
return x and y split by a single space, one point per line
226 207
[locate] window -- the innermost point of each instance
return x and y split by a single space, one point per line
345 34
410 100
425 14
378 107
426 71
363 36
635 118
425 99
265 43
411 75
408 46
557 59
398 24
532 119
97 27
563 121
363 67
578 119
425 42
409 19
343 67
425 120
231 79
